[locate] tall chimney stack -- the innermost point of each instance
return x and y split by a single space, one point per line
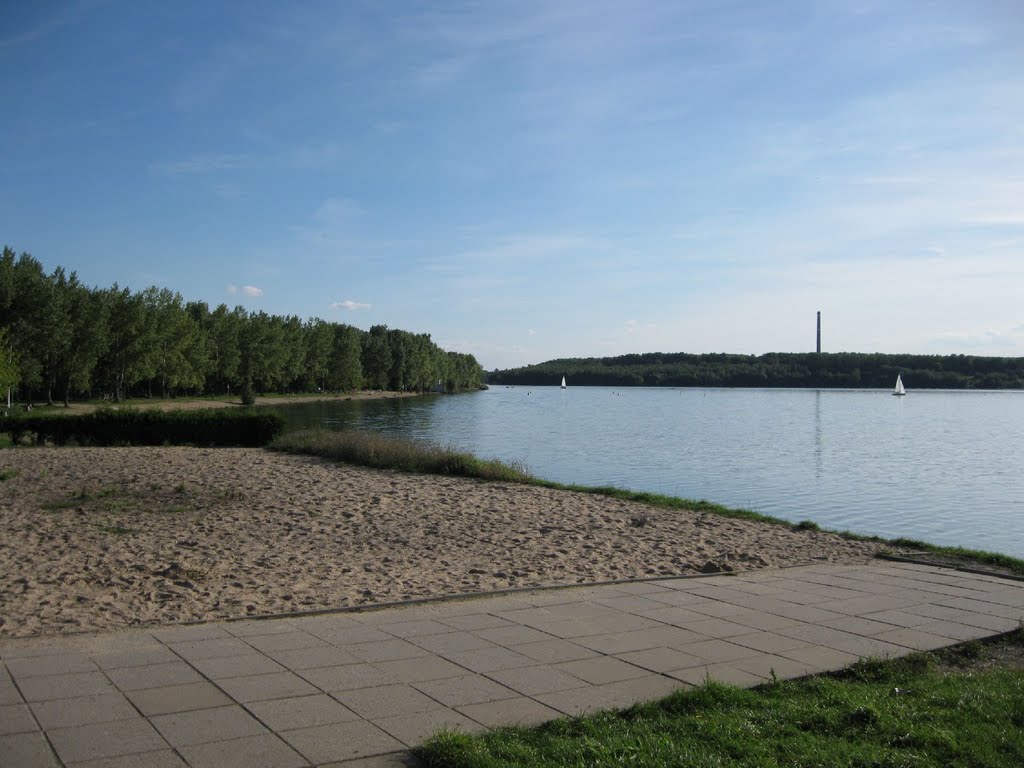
819 332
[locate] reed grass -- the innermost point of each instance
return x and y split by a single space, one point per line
372 449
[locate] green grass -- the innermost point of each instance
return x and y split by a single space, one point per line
7 474
1013 564
926 710
121 500
370 449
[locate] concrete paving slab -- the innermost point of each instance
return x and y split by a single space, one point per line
154 676
660 659
98 708
602 669
178 698
521 711
27 750
530 681
285 641
343 741
264 751
348 677
389 650
490 659
237 666
301 712
163 759
203 725
109 739
314 689
311 658
16 718
553 651
38 666
277 685
416 728
53 687
469 689
136 657
418 670
386 700
452 642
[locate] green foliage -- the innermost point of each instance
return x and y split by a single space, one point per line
8 364
248 394
896 713
61 337
149 427
826 370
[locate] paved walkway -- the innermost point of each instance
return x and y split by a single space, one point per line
363 687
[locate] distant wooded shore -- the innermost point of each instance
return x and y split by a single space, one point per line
776 369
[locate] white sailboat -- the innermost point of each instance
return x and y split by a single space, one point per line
898 389
563 382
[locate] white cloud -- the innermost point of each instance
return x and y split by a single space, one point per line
252 290
232 289
531 331
351 306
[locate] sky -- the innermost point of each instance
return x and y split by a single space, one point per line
531 180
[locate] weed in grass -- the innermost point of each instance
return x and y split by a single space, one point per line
8 474
179 488
806 525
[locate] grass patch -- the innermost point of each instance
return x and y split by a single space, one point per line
119 500
925 710
7 474
370 449
945 555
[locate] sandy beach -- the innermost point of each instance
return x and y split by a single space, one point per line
105 538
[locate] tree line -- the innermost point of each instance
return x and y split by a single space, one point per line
776 369
61 339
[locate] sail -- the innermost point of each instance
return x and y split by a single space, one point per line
563 382
899 390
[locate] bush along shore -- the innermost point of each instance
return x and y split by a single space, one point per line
217 427
380 451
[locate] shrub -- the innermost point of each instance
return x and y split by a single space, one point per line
131 427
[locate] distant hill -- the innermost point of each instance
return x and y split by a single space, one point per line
775 369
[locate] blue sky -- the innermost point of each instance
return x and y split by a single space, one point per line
529 180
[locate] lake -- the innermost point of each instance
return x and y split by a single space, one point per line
943 466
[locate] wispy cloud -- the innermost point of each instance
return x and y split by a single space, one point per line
245 290
351 306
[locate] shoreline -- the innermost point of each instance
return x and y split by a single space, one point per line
111 538
226 401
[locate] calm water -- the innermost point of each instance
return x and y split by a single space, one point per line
946 467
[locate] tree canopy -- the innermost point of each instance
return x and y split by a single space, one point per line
776 369
62 339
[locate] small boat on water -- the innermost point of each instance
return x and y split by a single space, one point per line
899 390
563 382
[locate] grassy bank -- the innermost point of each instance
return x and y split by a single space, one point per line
375 450
963 707
371 449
